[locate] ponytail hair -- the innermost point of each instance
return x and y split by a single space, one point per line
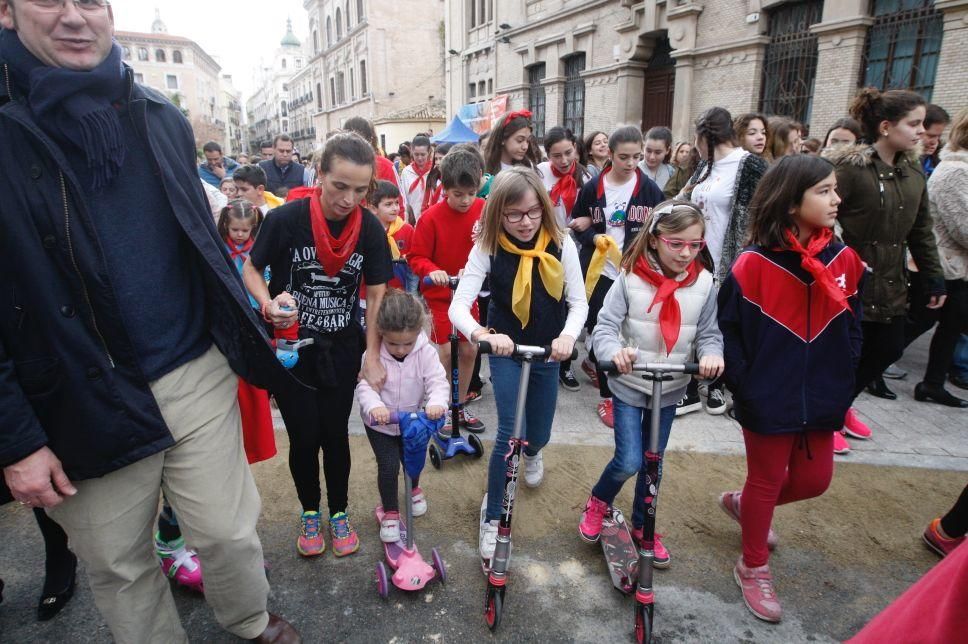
241 210
871 107
714 126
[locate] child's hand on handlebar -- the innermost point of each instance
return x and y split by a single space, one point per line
501 345
435 411
561 348
380 416
624 359
711 367
440 278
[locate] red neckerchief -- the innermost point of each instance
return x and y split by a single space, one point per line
600 189
299 193
566 190
808 260
670 317
421 172
333 253
236 251
432 197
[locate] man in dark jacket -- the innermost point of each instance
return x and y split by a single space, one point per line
121 316
281 171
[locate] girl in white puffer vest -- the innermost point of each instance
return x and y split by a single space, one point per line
661 308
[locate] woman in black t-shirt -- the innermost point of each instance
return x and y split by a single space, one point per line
320 249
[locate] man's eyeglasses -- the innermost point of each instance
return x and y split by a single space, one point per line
56 6
515 216
676 245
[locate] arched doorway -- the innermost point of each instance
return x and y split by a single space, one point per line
659 87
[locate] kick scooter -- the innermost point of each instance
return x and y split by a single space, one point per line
411 572
497 572
288 343
446 447
656 373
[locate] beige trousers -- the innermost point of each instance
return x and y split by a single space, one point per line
205 477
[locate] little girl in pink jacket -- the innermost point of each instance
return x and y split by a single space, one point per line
415 379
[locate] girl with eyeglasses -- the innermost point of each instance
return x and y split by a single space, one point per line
608 215
537 298
661 308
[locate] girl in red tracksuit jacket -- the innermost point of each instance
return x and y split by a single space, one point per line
790 315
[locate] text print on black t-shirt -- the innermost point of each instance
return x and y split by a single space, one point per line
325 303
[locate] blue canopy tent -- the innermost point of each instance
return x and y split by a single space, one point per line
456 132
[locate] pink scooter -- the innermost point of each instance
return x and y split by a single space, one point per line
411 572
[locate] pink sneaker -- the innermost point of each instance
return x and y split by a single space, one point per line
841 446
662 558
729 503
180 563
758 591
590 527
940 544
310 542
855 427
345 541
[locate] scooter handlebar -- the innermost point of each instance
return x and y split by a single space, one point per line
522 350
653 367
395 417
452 282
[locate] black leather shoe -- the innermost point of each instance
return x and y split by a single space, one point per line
936 393
878 387
958 381
52 603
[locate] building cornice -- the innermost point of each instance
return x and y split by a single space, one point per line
855 23
743 43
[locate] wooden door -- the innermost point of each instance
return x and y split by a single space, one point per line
657 96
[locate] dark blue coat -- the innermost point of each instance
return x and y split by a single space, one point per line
69 378
790 352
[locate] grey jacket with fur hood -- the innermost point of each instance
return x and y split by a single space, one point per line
948 197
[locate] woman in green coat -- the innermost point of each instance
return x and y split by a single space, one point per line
883 214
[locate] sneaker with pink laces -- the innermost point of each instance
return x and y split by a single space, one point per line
758 591
855 427
606 413
729 503
310 542
841 446
345 541
662 558
590 527
941 544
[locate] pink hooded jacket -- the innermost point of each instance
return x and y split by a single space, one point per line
416 382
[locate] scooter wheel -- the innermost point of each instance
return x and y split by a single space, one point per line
382 583
435 459
493 607
439 565
475 442
643 624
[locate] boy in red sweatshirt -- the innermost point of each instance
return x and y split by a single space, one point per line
441 244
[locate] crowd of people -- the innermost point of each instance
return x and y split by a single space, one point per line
795 270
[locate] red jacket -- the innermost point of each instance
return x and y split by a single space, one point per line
442 242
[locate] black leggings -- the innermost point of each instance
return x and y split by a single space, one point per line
952 319
594 306
318 420
883 346
388 451
955 523
476 384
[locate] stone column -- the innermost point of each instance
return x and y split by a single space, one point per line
840 56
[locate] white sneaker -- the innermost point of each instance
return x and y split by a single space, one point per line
488 534
390 528
419 501
533 470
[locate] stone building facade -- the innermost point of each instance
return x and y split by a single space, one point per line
267 110
591 64
371 59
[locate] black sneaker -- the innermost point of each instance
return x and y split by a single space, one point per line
470 423
716 401
568 380
688 404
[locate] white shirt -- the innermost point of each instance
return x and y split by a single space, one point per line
479 265
617 199
661 175
414 199
549 180
714 196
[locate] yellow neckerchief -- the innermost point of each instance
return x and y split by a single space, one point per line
549 268
605 248
392 230
272 200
